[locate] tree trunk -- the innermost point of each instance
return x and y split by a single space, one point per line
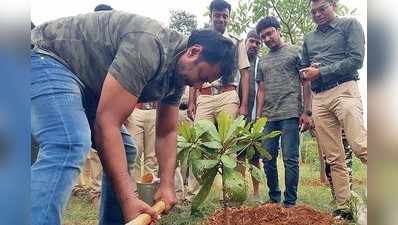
225 205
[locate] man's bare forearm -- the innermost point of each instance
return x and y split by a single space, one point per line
260 100
307 96
109 142
244 82
166 143
192 95
192 103
166 154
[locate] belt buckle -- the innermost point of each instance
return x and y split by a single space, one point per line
215 90
338 83
147 105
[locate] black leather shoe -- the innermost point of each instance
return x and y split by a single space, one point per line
287 205
270 201
343 214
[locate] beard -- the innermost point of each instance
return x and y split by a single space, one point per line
183 78
220 28
252 52
188 81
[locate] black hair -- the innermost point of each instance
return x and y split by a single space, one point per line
252 34
330 1
216 49
268 21
219 5
102 7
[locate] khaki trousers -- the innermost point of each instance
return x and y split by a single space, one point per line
141 126
333 110
183 117
91 175
209 106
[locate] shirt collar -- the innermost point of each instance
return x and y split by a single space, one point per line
253 59
178 80
332 24
225 34
174 61
179 51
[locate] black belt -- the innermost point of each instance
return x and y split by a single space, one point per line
332 85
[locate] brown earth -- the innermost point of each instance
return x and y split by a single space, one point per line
312 183
273 214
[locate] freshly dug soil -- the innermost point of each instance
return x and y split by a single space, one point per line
273 214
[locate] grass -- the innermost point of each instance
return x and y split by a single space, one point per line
311 192
80 211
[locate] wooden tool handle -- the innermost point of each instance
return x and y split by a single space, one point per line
145 219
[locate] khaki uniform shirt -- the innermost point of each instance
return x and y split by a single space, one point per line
242 60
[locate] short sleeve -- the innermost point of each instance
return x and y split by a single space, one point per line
175 98
260 72
243 59
136 62
299 58
305 58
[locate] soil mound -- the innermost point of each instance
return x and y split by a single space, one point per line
273 214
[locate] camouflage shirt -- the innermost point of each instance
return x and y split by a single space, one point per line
279 71
139 52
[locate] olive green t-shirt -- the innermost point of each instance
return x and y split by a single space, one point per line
138 51
280 72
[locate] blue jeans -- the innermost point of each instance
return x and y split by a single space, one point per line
290 152
62 116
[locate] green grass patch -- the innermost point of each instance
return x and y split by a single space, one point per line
80 211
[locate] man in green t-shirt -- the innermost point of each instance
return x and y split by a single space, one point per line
279 98
88 73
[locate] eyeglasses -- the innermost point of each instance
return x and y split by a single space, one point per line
321 9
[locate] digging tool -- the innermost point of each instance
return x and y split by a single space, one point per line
145 219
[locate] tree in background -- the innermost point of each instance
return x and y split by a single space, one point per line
182 21
294 16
